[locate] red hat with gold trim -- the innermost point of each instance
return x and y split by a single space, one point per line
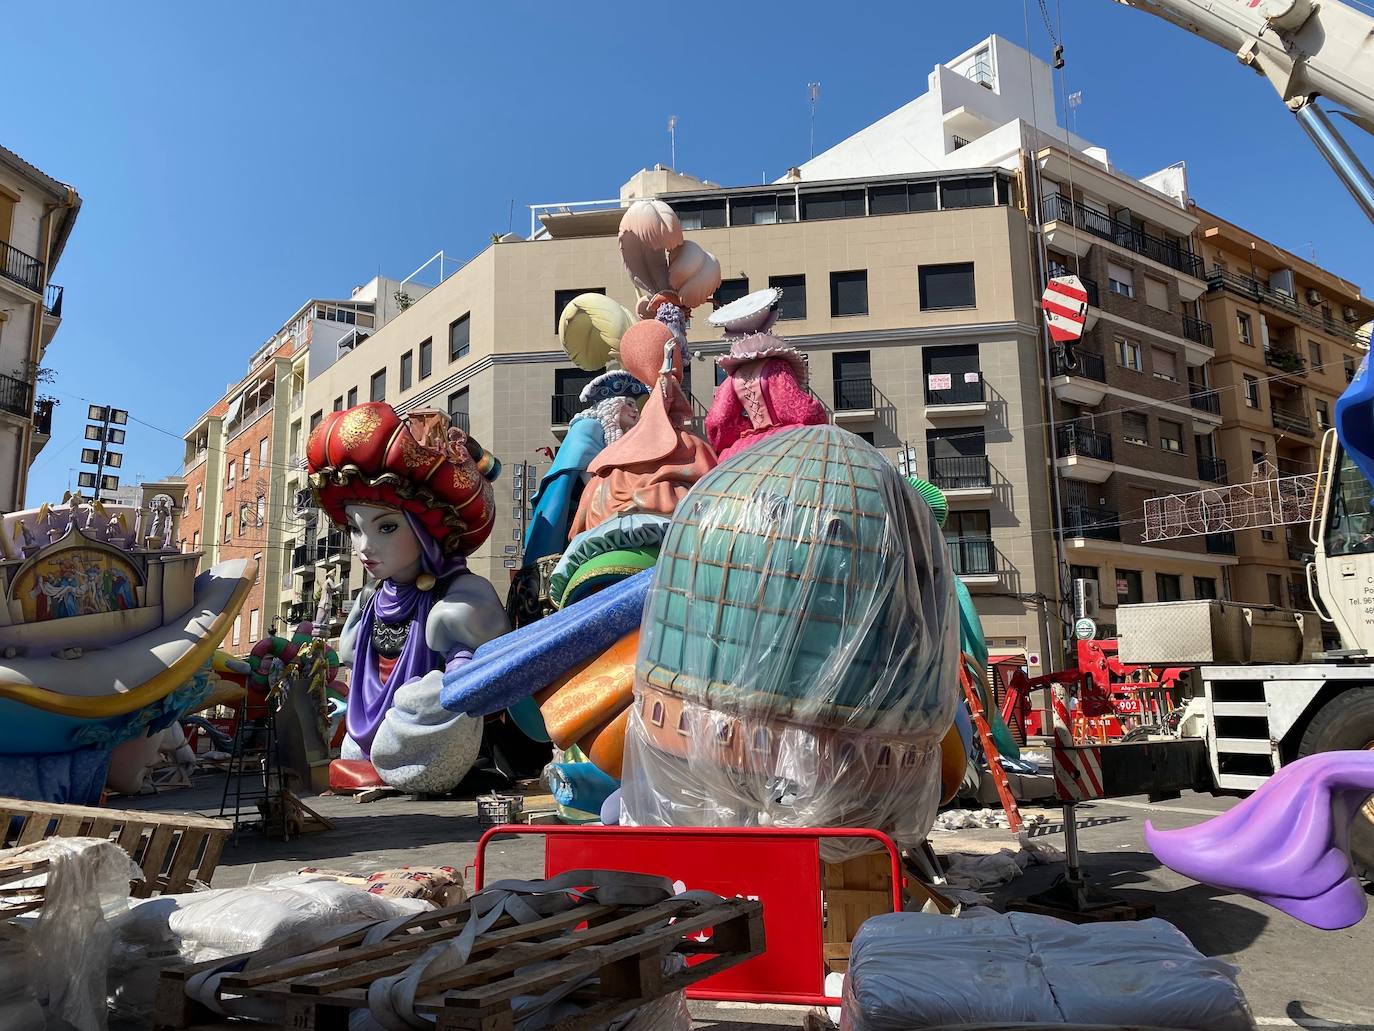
420 464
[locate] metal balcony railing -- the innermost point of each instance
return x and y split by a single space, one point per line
855 394
1100 524
1079 441
1206 401
52 301
20 268
1211 468
303 556
42 417
16 396
1089 285
462 420
960 472
1247 286
1292 422
565 406
1198 331
1220 543
971 556
698 421
1286 361
1167 252
337 543
1086 364
959 392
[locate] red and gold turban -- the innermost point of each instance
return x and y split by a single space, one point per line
419 464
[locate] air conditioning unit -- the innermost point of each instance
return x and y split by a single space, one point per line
1313 296
1084 599
1350 315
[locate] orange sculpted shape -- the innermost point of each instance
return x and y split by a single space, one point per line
605 746
953 763
591 695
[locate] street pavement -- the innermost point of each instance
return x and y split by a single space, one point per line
1292 975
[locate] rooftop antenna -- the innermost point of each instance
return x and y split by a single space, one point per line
672 142
813 90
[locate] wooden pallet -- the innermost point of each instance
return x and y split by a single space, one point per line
174 850
853 891
623 945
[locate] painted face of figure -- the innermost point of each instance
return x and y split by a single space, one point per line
383 540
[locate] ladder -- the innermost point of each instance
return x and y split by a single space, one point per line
980 724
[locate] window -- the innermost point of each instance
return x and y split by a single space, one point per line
228 527
254 625
1243 328
377 389
1156 293
1204 587
1083 573
1164 363
730 290
262 510
1168 587
793 304
1171 436
315 420
1119 280
338 404
352 397
257 574
195 540
865 435
849 293
407 370
563 298
1135 429
232 469
832 204
761 210
1252 398
1128 588
458 408
853 380
200 496
1267 535
426 358
247 461
459 337
952 375
946 286
1314 351
238 629
967 193
700 214
900 198
262 452
1349 368
1128 355
1275 583
1349 525
1323 414
1259 451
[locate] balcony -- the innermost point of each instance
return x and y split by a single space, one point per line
462 420
1246 286
298 401
1083 383
1100 524
1299 550
963 396
16 397
1220 543
1083 454
304 556
565 406
1285 361
1060 209
52 301
18 267
42 417
962 476
1089 285
1211 468
1198 331
337 545
1205 401
1292 422
973 559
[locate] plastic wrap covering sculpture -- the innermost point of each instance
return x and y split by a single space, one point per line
798 650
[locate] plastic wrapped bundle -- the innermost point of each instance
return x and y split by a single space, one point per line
797 662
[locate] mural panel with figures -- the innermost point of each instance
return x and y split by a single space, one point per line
78 582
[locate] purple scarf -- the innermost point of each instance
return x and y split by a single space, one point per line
368 697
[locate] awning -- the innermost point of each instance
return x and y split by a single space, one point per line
235 407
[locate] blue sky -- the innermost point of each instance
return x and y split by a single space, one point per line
236 159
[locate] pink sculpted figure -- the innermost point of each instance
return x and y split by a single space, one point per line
765 388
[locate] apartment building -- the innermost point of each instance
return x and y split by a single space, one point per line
1288 340
244 457
37 214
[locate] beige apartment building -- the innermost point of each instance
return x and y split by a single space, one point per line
913 296
1288 340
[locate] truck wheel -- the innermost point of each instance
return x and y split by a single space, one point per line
1346 723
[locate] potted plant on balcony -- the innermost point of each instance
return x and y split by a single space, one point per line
1287 361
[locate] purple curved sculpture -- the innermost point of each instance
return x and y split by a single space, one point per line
1288 844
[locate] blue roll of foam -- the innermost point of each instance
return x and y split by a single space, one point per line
580 785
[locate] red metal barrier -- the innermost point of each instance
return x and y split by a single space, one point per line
780 866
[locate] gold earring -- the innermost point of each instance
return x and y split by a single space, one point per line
425 581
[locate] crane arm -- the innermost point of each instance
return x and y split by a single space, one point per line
1305 49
